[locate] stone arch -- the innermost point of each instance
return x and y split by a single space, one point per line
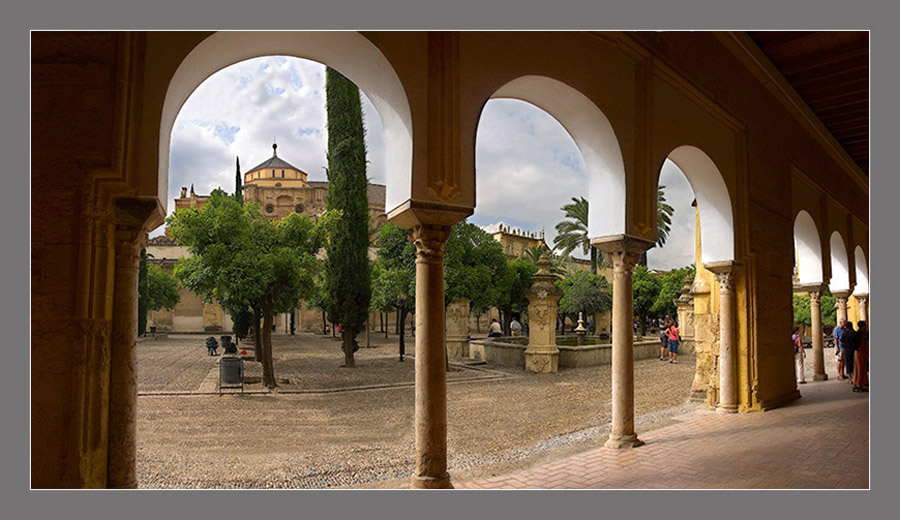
808 249
595 138
862 272
713 202
350 53
840 265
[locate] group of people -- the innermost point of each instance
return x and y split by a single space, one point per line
852 351
496 328
668 340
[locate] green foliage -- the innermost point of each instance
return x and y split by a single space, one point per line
513 285
671 284
584 292
162 289
645 291
347 270
238 185
394 271
664 214
803 309
243 260
474 266
573 233
534 253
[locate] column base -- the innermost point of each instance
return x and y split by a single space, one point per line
820 377
623 442
728 408
442 482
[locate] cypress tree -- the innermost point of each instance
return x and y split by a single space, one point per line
143 293
238 186
347 266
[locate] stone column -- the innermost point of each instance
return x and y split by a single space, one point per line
542 355
458 328
122 441
840 298
815 313
624 254
431 376
863 300
728 394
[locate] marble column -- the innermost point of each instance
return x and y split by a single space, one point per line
815 313
122 441
542 355
623 254
431 375
728 394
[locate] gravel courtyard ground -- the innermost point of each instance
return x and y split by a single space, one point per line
329 426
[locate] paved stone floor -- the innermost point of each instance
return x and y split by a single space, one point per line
822 441
331 427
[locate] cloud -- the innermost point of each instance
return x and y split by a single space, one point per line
239 110
679 248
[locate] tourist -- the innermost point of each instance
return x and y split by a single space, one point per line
515 327
212 346
836 334
663 340
799 356
496 330
848 347
861 360
674 338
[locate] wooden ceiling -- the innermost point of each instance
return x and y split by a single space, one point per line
830 71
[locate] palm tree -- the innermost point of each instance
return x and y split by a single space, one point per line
533 254
573 232
664 214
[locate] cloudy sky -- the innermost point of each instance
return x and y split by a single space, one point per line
527 165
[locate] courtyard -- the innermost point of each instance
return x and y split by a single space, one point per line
332 427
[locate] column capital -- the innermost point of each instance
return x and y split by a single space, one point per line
841 294
623 251
725 274
429 240
862 297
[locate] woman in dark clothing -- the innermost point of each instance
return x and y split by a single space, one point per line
861 360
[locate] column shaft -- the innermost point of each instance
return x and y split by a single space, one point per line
815 311
622 434
122 454
728 398
431 376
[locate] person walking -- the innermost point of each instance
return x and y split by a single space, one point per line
861 360
836 334
674 338
848 347
799 356
663 340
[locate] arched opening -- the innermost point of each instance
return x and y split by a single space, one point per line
840 267
713 202
808 249
349 53
862 272
595 138
359 60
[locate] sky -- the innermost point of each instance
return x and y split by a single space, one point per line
527 166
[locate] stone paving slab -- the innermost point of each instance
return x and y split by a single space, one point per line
822 441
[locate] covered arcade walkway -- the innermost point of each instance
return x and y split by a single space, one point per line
820 441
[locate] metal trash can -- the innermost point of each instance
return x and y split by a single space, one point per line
231 373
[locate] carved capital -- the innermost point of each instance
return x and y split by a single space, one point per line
128 244
726 282
429 240
840 302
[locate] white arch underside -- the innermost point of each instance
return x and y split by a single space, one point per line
809 249
862 272
347 52
596 140
713 203
840 272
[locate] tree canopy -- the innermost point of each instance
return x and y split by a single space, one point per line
394 276
243 260
474 266
670 287
584 292
803 309
573 232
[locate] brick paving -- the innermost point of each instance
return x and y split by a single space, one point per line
821 441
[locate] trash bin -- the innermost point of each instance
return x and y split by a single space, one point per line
231 373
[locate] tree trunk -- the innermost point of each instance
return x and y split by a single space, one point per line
478 323
593 260
324 324
257 335
267 365
401 318
347 339
397 323
368 344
